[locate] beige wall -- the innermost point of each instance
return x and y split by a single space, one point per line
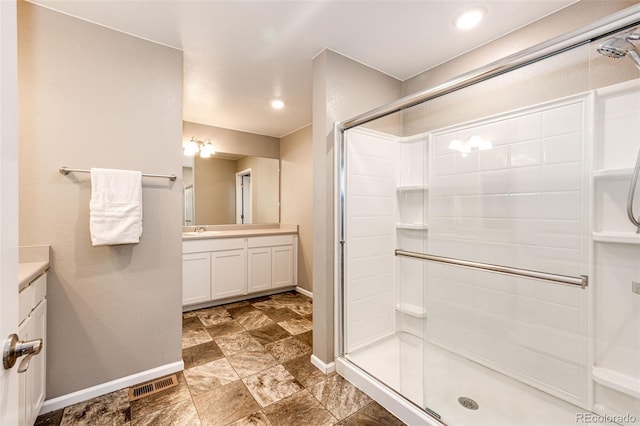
233 141
296 199
215 191
93 97
265 188
342 88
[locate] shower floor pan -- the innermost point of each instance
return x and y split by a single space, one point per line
398 362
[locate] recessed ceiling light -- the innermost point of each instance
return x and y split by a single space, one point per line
277 104
470 18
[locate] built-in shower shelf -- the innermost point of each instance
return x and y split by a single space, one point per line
412 310
612 173
617 381
406 188
418 226
616 237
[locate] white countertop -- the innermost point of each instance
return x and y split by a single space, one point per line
33 262
28 271
247 231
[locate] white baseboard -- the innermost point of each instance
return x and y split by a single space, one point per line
325 368
112 386
304 291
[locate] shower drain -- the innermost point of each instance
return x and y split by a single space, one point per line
468 403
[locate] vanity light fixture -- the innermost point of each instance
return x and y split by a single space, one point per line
194 146
470 18
277 104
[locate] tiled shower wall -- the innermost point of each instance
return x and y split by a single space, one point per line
531 202
370 238
522 203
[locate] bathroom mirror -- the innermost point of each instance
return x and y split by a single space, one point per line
231 189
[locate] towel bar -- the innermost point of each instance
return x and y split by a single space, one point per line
581 281
66 170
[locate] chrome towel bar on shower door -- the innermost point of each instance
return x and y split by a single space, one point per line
581 281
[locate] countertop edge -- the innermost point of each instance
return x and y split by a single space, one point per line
29 271
33 261
240 234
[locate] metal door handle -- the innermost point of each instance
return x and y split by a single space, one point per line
14 348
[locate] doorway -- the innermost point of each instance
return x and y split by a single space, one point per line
243 196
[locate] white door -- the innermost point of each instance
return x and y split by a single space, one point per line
8 204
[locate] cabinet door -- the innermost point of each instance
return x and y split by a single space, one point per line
281 266
196 278
36 374
259 260
228 273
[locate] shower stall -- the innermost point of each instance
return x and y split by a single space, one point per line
488 260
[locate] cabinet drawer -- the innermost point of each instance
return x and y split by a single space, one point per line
270 241
214 244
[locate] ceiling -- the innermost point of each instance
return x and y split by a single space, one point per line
239 55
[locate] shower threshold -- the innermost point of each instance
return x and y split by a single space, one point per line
398 362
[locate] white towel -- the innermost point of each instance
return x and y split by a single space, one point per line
115 207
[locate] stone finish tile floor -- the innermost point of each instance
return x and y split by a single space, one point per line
246 363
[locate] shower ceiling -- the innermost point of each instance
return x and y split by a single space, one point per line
239 55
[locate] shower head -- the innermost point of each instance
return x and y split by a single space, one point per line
619 46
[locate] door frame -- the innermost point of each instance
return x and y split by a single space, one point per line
240 211
8 201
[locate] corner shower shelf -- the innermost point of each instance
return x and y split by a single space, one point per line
617 381
418 226
405 188
612 173
412 310
616 237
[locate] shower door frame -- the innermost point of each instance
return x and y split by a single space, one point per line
613 23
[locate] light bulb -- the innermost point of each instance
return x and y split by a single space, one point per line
475 141
191 147
207 148
455 144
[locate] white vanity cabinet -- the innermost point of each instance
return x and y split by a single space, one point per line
196 278
259 268
222 268
228 273
32 309
271 262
